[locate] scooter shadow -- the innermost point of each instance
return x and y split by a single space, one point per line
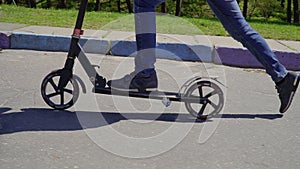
41 119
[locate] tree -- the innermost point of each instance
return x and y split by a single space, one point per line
62 4
282 3
268 8
97 5
32 3
289 11
49 4
9 1
245 8
163 7
178 7
129 6
296 11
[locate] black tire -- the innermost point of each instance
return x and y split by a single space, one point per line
211 104
54 97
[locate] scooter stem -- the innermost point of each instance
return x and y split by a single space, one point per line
74 49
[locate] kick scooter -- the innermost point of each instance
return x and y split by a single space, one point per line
60 89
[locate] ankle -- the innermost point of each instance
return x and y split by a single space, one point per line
146 72
281 81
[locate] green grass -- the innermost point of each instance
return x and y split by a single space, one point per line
53 17
270 30
118 21
165 24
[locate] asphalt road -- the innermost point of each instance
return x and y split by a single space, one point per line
115 132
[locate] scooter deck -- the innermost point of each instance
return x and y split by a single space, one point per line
154 94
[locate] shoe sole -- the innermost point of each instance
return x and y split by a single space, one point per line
296 84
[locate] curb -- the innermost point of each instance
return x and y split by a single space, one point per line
55 43
114 47
4 41
175 51
238 57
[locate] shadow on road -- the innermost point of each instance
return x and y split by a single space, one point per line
4 109
252 116
39 119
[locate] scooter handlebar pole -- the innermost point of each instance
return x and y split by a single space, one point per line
74 49
81 14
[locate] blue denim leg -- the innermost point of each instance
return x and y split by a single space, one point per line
145 28
233 21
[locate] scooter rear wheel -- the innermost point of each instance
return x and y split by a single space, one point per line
59 98
211 99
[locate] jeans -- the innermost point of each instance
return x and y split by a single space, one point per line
229 14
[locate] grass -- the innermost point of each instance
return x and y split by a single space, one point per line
52 17
121 21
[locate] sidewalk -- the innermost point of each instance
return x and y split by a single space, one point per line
216 49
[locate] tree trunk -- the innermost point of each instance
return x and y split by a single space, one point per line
282 3
32 3
289 11
129 6
163 8
178 8
119 5
9 2
62 4
97 5
49 4
296 11
245 8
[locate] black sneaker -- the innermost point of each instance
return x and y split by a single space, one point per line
286 90
143 80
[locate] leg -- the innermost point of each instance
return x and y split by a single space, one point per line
233 21
145 28
144 75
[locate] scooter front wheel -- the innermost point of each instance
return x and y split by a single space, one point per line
210 99
59 98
